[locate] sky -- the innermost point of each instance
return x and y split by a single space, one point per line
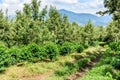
78 6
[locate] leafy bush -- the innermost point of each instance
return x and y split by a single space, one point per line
116 63
80 48
68 69
113 46
2 69
3 56
2 49
51 51
67 48
62 71
86 45
25 55
108 52
83 62
12 56
107 60
34 52
108 69
118 48
92 57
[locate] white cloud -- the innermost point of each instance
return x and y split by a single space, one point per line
12 5
11 1
88 6
68 1
91 6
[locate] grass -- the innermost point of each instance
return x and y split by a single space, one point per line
99 73
29 69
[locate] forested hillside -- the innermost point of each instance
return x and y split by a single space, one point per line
41 42
83 18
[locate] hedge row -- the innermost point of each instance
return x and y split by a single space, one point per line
82 61
111 57
34 53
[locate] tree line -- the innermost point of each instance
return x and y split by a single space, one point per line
48 25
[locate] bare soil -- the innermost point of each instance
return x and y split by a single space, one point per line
37 77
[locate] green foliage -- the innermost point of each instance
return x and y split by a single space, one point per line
51 51
12 56
82 63
67 48
108 69
116 63
33 51
99 72
80 48
2 69
113 45
115 5
36 29
68 69
3 57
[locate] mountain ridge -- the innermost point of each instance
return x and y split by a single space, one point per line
83 18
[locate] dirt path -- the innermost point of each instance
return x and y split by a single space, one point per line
79 74
38 77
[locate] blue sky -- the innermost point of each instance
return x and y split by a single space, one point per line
78 6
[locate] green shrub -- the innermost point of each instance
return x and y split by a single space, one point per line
107 60
80 48
108 69
34 52
33 49
113 46
92 57
85 45
116 63
82 63
25 55
2 49
3 56
62 71
2 69
12 56
118 48
75 46
68 69
51 51
67 48
108 52
42 54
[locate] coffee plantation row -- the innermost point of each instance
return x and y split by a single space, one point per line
108 68
35 53
83 60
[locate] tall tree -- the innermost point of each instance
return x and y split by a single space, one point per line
88 32
35 9
55 20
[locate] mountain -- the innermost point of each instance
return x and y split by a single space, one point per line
83 18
